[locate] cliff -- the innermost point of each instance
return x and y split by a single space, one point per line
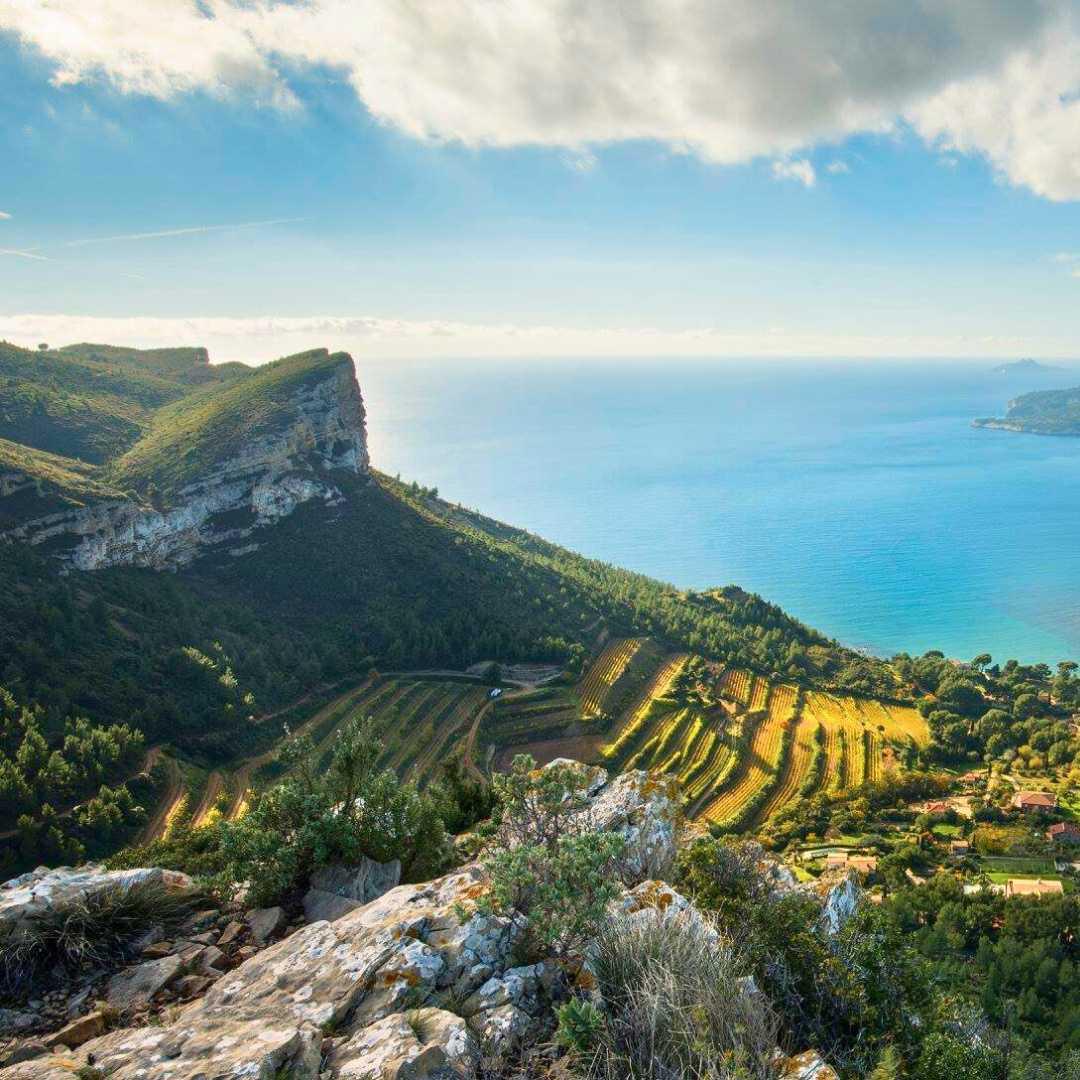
208 472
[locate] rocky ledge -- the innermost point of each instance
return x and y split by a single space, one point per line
414 983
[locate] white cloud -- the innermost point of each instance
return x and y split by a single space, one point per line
372 338
1065 257
4 217
800 169
729 80
838 167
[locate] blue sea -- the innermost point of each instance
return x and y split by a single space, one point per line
856 496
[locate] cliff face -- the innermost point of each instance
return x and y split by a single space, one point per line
317 432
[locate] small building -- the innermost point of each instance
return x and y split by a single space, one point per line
959 848
1028 887
1063 832
939 807
836 860
864 864
1034 801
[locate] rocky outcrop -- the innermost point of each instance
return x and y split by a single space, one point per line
41 890
265 481
414 983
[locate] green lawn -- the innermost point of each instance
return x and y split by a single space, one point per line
1006 866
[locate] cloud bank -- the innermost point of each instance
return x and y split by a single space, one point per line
370 338
728 80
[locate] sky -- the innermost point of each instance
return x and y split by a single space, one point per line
564 178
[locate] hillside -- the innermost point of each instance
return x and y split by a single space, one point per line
1042 412
90 401
298 569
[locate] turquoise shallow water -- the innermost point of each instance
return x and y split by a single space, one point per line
857 497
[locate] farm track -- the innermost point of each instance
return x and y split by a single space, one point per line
464 709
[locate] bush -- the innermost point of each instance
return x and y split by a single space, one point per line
97 930
580 1024
338 814
546 864
676 1006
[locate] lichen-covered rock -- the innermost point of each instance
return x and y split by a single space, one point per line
423 1045
41 890
645 810
841 904
380 978
809 1065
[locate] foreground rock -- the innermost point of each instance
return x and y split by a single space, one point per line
410 984
42 890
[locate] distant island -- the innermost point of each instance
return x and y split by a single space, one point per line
1025 367
1043 412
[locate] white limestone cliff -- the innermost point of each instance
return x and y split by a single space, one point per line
264 482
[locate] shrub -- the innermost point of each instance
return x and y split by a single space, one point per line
562 890
338 814
97 930
580 1024
676 1006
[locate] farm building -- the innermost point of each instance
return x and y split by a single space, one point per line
1034 801
1063 832
1027 887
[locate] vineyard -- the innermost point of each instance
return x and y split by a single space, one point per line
742 747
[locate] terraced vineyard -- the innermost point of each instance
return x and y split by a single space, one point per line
761 761
604 673
635 726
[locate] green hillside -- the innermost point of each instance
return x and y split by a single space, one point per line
187 438
90 402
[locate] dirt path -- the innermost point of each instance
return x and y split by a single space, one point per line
215 784
467 758
170 801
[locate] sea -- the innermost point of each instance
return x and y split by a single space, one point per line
855 495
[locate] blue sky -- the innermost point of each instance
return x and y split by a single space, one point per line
362 211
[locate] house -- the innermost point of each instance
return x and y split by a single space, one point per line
1034 801
939 807
1063 832
1027 887
837 860
864 864
959 847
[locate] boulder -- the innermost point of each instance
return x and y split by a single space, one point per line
841 904
78 1031
265 923
380 961
134 988
336 890
645 810
42 890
